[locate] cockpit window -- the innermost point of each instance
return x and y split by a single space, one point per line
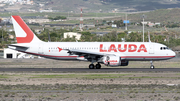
164 48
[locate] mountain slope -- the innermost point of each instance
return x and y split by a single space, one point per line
109 5
161 15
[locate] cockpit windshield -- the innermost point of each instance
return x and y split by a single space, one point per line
164 48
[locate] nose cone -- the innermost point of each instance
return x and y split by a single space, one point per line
173 54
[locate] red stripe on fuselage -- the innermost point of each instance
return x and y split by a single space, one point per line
50 55
26 29
125 57
147 56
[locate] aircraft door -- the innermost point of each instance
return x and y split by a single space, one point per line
151 49
40 49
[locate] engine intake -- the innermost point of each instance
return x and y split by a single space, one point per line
114 61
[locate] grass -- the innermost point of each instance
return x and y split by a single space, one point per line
54 14
94 76
7 76
149 77
89 76
54 76
4 76
99 76
99 88
177 73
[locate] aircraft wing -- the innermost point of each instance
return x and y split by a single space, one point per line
84 52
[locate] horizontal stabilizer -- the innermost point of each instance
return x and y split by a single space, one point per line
12 46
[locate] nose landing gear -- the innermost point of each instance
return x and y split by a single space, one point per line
152 66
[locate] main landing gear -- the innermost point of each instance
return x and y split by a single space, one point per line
98 66
152 66
91 66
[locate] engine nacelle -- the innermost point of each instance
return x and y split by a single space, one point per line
114 61
124 63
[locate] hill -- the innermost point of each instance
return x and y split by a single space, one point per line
109 5
96 5
161 15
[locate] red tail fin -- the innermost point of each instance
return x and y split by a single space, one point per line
23 33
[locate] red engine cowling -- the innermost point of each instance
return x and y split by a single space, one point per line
114 61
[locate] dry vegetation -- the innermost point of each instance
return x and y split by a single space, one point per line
89 86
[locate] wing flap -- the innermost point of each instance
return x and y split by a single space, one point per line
84 52
81 52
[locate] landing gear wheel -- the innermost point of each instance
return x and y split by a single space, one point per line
98 66
91 66
152 67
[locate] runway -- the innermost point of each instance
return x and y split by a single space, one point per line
89 70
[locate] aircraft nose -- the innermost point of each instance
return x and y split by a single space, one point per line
173 53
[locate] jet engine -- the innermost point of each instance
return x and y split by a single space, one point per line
124 63
114 61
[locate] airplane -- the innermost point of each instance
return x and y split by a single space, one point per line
108 53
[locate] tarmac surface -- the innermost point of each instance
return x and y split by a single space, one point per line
89 70
49 65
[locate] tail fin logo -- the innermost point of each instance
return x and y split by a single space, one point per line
23 32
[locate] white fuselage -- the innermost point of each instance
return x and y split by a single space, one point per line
135 51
